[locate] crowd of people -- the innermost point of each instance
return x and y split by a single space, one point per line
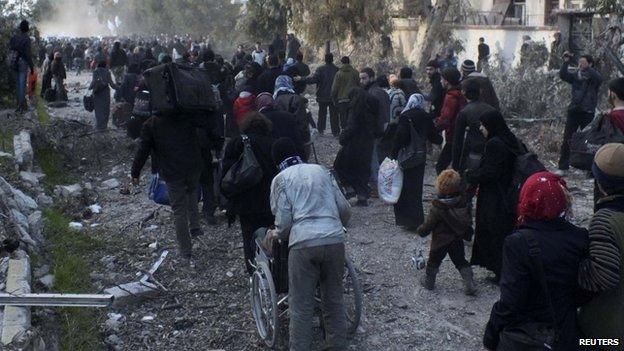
549 270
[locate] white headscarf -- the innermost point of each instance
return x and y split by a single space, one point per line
415 100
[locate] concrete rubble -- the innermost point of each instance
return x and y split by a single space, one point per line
24 154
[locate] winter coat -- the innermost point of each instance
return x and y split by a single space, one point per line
584 87
296 105
323 77
118 58
409 87
309 208
448 220
454 102
266 80
257 199
383 103
285 125
126 91
468 138
20 43
495 215
603 272
172 141
522 299
346 79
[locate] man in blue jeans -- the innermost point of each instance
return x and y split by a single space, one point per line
310 212
20 43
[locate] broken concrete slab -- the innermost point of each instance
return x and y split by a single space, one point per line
131 292
111 183
67 191
24 154
36 223
16 318
32 178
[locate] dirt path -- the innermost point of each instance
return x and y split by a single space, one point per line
398 313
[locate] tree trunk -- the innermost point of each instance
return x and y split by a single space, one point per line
435 23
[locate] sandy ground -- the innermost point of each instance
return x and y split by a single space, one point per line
398 313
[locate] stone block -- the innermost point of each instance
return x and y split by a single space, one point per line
24 154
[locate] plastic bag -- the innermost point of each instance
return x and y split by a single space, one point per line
390 181
158 190
418 259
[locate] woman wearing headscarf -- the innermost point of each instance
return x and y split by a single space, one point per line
544 237
100 84
496 212
352 164
287 100
408 211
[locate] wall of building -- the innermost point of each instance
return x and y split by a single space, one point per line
408 36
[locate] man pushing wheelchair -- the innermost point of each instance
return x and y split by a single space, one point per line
310 213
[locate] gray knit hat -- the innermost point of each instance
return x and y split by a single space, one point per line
468 67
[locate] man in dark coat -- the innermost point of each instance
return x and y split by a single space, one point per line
285 124
323 77
367 81
487 93
436 96
484 54
20 43
266 80
118 62
352 164
172 141
278 44
292 46
407 83
468 141
585 85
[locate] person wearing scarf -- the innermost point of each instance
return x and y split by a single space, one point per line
284 123
496 209
603 271
283 84
310 214
542 209
408 211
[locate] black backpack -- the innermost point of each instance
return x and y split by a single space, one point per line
585 143
181 90
525 165
244 174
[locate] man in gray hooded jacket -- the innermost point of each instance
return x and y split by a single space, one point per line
310 212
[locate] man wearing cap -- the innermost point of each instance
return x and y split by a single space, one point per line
603 271
488 94
454 102
557 48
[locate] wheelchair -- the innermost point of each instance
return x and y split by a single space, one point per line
269 291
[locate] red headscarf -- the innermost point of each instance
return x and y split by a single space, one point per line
543 197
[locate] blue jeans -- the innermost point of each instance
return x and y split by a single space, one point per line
21 76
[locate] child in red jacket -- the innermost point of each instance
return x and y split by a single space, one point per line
242 106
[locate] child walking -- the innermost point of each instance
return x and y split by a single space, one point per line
450 222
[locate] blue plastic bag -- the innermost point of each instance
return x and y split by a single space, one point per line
158 190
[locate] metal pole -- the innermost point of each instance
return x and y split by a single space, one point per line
59 300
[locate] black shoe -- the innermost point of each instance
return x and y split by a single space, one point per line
196 232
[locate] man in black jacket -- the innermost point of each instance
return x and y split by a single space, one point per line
468 140
118 62
20 43
407 83
436 96
585 85
266 80
323 77
173 143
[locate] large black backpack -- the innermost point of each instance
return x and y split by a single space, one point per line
585 143
180 90
525 165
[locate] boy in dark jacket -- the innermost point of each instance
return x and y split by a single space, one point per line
450 222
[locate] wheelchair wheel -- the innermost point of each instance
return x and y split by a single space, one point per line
264 304
352 296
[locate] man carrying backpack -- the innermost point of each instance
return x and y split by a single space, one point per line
585 84
173 143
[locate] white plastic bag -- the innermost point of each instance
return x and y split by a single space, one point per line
390 181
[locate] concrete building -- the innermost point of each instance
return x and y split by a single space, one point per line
502 23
